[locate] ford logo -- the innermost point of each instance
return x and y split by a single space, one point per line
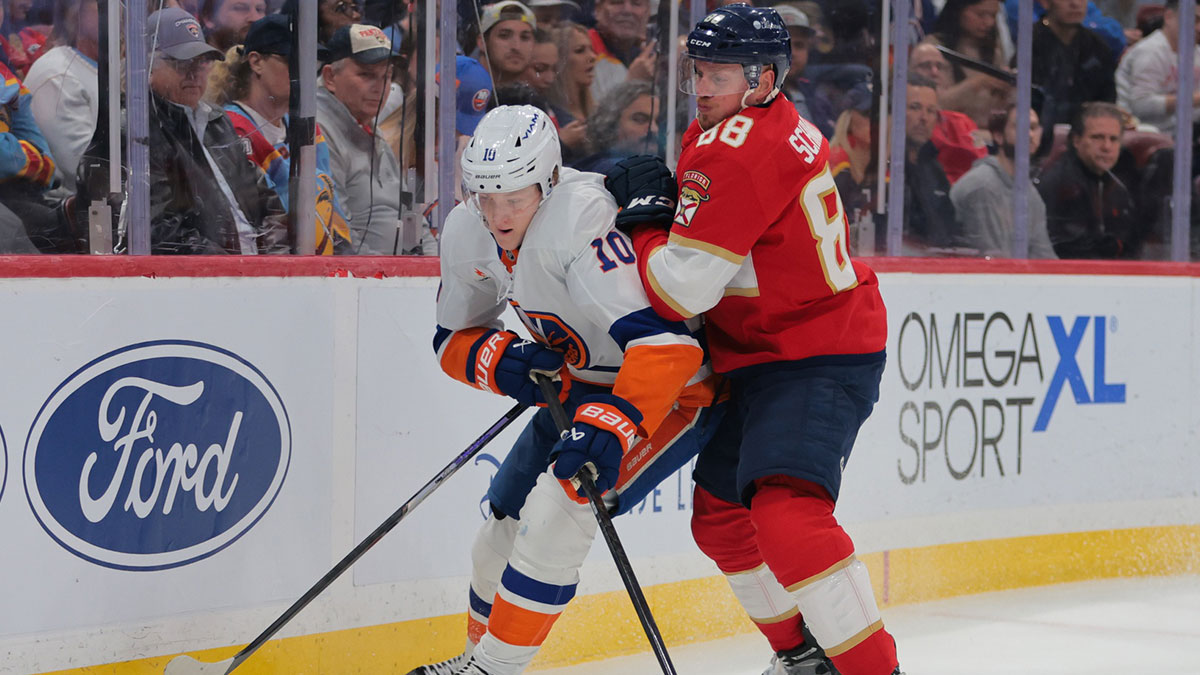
157 455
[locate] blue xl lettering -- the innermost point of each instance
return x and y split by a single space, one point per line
1067 371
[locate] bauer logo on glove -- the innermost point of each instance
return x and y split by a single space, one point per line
605 429
610 418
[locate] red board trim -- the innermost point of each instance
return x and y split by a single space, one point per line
57 267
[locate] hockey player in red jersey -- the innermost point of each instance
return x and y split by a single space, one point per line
754 239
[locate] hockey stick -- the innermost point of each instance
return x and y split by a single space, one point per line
186 665
975 64
610 535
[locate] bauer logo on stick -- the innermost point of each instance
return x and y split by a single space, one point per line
157 455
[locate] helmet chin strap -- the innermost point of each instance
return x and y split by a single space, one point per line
770 97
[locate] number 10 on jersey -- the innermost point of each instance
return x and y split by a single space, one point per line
617 246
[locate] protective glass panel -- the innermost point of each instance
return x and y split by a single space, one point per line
232 163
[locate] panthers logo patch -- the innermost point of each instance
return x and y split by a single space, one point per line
693 191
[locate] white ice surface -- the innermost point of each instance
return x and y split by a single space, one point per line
1146 626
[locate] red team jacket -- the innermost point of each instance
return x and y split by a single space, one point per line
759 246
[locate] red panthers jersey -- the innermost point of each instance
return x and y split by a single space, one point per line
759 246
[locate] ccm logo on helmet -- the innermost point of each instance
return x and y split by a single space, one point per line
614 422
487 356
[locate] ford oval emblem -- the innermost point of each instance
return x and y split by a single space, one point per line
157 455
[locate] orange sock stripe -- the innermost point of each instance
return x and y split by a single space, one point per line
475 629
519 626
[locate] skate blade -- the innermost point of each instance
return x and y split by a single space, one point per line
186 665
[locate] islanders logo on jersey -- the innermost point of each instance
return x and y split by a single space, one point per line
551 330
693 191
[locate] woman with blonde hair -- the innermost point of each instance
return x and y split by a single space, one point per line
571 95
253 84
850 158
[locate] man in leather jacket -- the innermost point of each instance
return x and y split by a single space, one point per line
205 195
1089 211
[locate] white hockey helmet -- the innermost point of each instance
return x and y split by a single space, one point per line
513 147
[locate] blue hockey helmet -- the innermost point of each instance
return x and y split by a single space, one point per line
750 36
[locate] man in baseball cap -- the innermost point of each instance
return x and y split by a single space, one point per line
182 58
177 35
206 196
506 40
366 172
550 13
363 43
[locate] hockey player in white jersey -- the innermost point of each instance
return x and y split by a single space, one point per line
539 237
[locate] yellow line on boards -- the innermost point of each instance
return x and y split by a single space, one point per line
704 609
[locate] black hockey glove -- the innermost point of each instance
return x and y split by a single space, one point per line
645 191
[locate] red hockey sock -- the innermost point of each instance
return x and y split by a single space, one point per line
724 533
796 532
803 544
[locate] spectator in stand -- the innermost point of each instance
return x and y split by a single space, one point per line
205 196
543 66
929 219
1148 75
983 197
850 159
63 85
551 13
253 85
331 15
571 98
624 124
803 94
957 138
22 44
226 21
969 27
365 171
1073 65
506 41
26 169
1114 32
619 39
1089 211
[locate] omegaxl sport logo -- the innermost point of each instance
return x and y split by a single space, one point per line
157 455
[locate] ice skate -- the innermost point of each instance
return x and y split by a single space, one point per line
447 667
472 667
807 659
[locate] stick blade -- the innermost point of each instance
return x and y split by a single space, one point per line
186 665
